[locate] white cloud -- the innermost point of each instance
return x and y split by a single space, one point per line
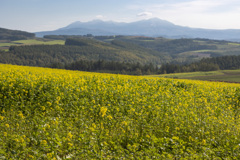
99 16
144 14
219 14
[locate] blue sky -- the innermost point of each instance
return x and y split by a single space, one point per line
42 15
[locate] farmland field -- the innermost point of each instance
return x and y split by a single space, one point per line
221 75
40 41
6 45
59 114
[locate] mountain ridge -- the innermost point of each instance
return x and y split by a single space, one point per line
151 27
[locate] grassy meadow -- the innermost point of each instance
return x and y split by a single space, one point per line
4 45
60 114
220 75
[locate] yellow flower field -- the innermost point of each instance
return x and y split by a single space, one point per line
59 114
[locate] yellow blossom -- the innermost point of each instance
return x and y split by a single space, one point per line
49 155
103 111
20 114
109 117
69 135
203 141
1 118
70 144
43 108
43 142
7 125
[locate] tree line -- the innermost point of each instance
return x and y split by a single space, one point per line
109 67
206 64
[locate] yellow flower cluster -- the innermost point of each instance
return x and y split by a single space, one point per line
50 113
103 111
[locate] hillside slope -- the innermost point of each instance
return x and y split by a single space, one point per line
45 55
7 34
59 114
137 49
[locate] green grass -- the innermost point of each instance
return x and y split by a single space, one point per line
38 41
202 51
221 75
5 44
234 44
148 40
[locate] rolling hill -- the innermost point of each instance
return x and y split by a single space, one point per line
7 34
59 114
83 49
129 49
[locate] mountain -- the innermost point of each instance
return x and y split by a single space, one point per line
7 34
152 27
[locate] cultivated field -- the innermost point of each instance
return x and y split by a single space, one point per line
4 45
221 75
59 114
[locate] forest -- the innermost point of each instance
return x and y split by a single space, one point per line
206 64
109 67
76 49
11 35
126 54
